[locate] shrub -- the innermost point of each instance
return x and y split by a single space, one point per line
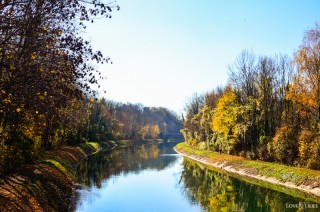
285 145
264 148
202 146
309 149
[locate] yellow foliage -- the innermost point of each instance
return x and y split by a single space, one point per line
305 144
7 101
149 131
12 68
305 89
225 114
33 56
10 56
155 131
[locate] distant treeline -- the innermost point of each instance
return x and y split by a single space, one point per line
85 120
270 109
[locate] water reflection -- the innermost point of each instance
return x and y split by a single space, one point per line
154 178
100 167
219 192
139 178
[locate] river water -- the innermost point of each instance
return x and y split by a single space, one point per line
154 178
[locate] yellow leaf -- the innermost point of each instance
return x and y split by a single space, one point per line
33 56
9 56
12 68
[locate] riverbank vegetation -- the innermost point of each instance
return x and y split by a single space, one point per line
270 109
48 184
232 194
251 169
48 71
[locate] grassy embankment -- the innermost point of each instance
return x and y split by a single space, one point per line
48 184
291 180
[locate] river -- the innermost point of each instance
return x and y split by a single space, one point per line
154 178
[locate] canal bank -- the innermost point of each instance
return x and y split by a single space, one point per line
300 182
118 180
48 184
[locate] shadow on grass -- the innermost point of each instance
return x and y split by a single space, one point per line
46 185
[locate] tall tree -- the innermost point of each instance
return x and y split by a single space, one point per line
305 95
44 60
225 119
305 90
46 69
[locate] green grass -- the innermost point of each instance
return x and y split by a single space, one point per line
92 146
292 192
59 166
282 172
298 176
95 145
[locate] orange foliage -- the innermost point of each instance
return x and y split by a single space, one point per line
305 89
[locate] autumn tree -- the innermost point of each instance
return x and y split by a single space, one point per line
191 123
149 131
305 96
243 78
46 66
305 90
269 111
260 84
224 121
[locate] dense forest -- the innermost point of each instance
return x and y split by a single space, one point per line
46 78
270 109
113 121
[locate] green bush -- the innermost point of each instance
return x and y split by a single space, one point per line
285 146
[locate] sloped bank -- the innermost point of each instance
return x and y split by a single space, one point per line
48 185
297 179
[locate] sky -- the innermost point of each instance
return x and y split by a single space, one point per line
164 51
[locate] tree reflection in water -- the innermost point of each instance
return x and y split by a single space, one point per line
201 186
101 166
219 192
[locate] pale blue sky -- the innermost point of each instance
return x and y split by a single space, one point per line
163 51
